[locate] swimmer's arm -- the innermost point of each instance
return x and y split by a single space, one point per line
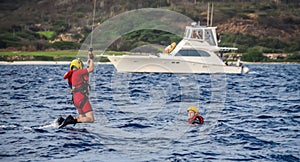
91 66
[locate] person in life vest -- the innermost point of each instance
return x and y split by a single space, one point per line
170 48
193 116
78 79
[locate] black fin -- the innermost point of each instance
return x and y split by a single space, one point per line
69 120
60 120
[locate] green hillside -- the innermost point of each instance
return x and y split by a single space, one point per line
271 26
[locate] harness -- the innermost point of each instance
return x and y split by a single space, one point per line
196 120
83 88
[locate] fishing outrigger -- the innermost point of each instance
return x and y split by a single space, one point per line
78 79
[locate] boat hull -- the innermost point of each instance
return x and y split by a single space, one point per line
155 64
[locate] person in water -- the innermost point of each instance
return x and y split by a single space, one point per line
78 79
193 116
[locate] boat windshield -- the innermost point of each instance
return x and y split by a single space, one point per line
201 34
194 33
197 34
191 52
209 37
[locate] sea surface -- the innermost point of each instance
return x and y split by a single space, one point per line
142 116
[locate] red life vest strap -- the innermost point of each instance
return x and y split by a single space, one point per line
196 120
200 118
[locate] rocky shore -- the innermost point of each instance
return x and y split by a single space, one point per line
33 62
28 58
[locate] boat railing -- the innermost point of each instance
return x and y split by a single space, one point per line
226 49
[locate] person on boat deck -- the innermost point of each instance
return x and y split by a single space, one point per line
238 62
78 79
170 48
226 63
196 34
193 116
222 56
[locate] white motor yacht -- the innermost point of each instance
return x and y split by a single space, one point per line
197 52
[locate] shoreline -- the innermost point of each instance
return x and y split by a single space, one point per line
41 63
270 63
67 62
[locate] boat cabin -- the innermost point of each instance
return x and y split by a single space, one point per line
201 33
192 53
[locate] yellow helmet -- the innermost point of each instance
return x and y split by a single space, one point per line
77 63
193 108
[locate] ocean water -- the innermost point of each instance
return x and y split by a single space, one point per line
142 117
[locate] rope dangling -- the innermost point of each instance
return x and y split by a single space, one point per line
93 21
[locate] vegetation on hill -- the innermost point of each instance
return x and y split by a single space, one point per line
271 26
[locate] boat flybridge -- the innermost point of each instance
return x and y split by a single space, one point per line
197 52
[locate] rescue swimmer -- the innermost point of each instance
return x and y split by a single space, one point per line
78 80
193 116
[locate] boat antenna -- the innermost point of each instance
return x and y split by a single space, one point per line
93 21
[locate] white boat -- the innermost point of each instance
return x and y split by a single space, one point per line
197 52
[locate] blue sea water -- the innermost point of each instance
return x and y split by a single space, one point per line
142 116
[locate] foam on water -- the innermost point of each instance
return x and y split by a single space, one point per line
53 124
